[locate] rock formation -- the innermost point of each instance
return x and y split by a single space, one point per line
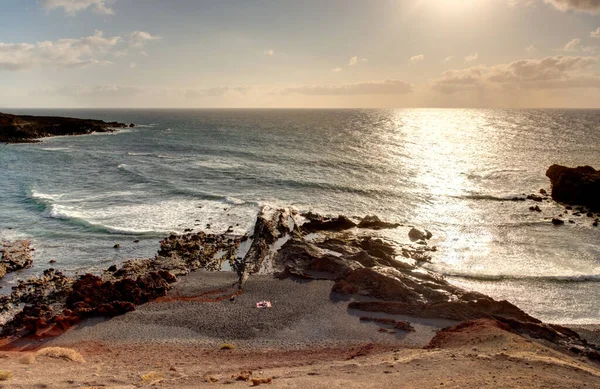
15 256
580 185
23 129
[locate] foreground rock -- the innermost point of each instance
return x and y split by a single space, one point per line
580 185
23 128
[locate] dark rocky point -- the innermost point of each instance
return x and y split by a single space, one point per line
26 129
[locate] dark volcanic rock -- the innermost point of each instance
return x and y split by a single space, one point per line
580 185
22 129
339 223
418 234
374 223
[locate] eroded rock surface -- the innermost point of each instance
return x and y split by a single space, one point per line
15 256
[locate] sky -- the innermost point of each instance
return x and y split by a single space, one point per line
303 54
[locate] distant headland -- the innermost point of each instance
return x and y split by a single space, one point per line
27 129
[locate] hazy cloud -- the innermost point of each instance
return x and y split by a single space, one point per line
577 5
572 45
448 59
116 90
595 33
389 87
337 70
531 48
138 39
353 61
72 7
417 58
591 6
549 73
472 57
269 52
62 53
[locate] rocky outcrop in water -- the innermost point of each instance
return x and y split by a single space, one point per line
580 185
24 128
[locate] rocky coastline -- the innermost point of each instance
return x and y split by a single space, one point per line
376 275
28 129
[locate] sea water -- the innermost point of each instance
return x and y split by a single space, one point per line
452 171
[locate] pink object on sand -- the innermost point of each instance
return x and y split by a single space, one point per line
263 304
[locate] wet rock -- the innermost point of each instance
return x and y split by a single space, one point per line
339 223
535 197
557 222
374 223
580 185
117 246
416 234
536 209
543 192
15 256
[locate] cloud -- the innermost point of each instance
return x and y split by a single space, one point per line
132 65
337 70
448 59
531 49
62 53
472 57
572 45
389 87
557 72
72 7
116 90
590 6
269 52
417 58
595 33
138 39
353 61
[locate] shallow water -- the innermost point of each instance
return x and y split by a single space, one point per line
447 170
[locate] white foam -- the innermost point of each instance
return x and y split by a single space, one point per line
133 154
65 149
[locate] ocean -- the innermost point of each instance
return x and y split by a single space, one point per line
452 171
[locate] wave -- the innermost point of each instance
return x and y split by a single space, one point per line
64 149
540 278
76 218
139 154
147 125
